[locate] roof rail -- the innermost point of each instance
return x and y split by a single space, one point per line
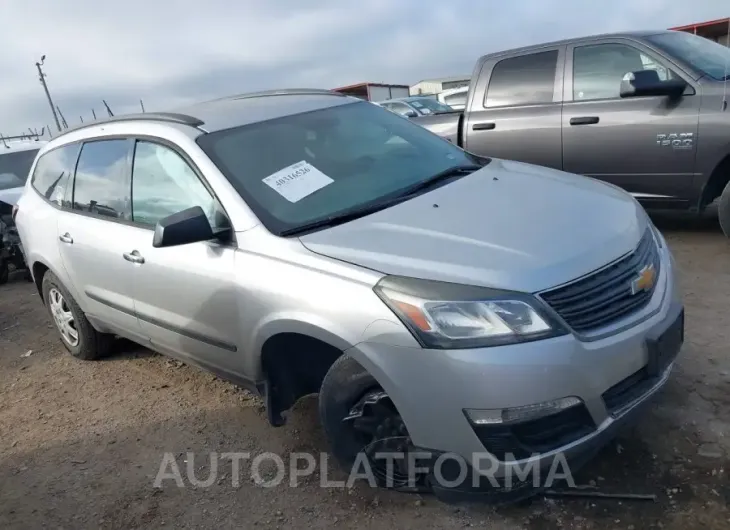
170 117
288 92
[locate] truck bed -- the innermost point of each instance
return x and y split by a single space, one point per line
446 125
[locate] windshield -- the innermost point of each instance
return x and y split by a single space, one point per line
428 105
306 167
708 57
14 167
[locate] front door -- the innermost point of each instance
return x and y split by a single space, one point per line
519 119
94 233
185 296
645 145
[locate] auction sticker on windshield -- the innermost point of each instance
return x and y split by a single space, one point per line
297 181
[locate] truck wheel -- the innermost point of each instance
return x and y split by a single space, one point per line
77 334
723 210
358 417
4 271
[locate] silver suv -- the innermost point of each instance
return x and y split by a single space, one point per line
301 241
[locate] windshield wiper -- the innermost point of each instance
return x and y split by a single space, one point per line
453 171
407 193
334 220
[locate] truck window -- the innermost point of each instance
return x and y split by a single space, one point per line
599 69
524 80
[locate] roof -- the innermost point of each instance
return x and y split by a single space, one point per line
445 79
363 85
587 38
233 111
718 22
15 146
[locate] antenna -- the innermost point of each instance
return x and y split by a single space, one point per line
107 108
93 113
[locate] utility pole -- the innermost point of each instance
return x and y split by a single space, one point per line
42 77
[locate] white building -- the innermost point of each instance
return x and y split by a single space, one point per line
434 86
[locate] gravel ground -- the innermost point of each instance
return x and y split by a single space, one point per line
82 442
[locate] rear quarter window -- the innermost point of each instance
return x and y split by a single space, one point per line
523 80
14 168
52 173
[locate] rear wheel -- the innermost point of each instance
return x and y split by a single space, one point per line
723 210
359 418
77 334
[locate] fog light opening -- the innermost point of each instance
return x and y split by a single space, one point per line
514 415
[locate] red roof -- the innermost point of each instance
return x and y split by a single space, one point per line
719 22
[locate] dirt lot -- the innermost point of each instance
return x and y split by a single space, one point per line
82 442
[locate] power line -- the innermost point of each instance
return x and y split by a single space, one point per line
42 78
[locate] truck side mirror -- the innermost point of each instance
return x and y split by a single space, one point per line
647 83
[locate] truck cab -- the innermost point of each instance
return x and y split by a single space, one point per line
646 111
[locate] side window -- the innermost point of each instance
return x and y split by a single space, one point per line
52 173
100 186
164 184
400 108
599 69
524 80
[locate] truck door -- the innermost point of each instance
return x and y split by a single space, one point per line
645 145
514 112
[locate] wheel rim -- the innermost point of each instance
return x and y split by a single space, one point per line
378 429
63 317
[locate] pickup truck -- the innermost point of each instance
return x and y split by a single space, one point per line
646 111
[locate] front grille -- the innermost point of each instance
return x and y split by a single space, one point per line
605 296
541 435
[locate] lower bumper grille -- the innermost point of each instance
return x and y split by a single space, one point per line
628 390
522 440
611 293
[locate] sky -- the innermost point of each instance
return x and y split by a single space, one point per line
173 52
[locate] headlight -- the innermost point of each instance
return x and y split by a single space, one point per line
450 316
657 235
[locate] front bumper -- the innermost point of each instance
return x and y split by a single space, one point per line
433 388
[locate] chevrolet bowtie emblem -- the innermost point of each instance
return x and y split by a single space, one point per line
645 280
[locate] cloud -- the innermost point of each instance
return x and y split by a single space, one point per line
172 52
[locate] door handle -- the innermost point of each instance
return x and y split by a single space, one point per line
134 257
66 238
487 126
584 120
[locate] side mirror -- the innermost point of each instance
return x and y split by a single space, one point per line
647 83
410 114
181 228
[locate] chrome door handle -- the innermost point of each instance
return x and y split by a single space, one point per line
66 238
134 257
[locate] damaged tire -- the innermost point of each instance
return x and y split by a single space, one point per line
358 417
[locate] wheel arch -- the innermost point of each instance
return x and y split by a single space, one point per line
293 354
719 178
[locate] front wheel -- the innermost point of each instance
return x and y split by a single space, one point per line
723 210
360 419
77 334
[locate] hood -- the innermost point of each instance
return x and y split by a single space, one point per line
11 196
509 225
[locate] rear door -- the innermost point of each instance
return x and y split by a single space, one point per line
94 233
185 296
518 117
627 141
